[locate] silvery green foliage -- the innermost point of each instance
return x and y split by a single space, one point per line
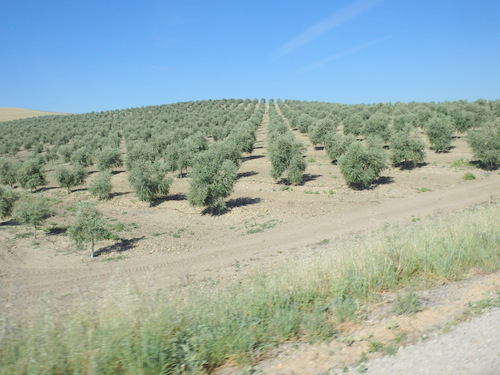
31 174
211 180
361 165
7 199
439 130
148 180
101 186
32 210
336 144
485 144
406 149
89 226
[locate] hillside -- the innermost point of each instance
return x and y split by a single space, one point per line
169 240
8 114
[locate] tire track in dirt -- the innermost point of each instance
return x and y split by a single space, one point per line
215 260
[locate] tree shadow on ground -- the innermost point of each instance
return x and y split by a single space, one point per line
247 174
410 166
10 222
80 189
43 189
480 165
306 177
118 172
447 151
119 247
175 197
382 180
118 194
241 202
231 204
251 157
55 231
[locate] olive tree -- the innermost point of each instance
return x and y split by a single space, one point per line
68 178
148 180
211 180
304 122
439 130
336 144
83 157
31 174
8 172
353 124
485 144
377 125
178 157
140 151
285 153
7 199
89 226
361 165
406 149
32 210
101 186
320 130
108 158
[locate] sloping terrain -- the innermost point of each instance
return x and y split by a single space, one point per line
265 224
9 113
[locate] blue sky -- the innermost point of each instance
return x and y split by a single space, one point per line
83 56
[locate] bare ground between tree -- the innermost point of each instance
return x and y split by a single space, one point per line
266 223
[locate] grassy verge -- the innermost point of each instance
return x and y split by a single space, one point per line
198 329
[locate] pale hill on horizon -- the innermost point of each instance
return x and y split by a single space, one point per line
9 113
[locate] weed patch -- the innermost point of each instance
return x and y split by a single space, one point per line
469 176
408 303
23 235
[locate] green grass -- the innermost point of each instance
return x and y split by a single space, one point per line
469 176
408 303
261 227
326 241
114 259
311 192
120 227
460 163
423 190
375 346
23 235
198 328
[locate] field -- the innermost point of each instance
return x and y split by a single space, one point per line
266 223
8 114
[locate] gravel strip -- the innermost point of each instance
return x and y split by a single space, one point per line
472 348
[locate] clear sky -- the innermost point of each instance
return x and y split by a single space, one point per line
83 56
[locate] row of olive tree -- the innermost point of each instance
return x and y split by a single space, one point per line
214 171
284 150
